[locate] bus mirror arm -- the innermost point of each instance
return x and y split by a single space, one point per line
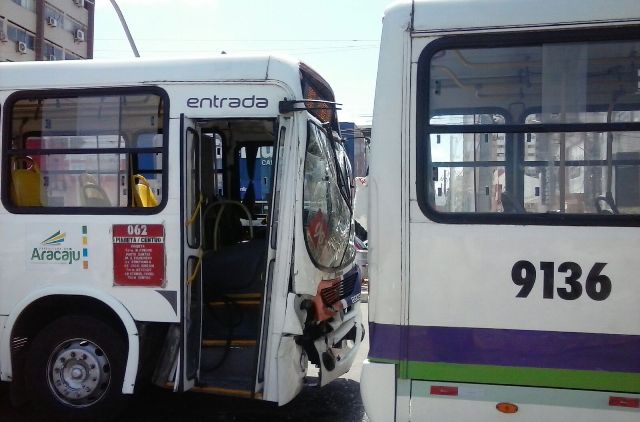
288 106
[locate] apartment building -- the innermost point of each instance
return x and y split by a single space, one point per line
46 29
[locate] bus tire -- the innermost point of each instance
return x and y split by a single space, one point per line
74 370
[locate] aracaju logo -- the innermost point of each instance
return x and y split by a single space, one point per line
53 251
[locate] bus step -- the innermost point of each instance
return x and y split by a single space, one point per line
233 343
228 364
236 302
246 296
221 391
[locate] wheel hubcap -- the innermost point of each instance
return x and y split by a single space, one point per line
78 372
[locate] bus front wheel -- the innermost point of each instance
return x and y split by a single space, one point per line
75 369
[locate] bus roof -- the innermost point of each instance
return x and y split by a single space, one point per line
454 15
97 73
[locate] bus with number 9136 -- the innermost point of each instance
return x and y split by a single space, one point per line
504 212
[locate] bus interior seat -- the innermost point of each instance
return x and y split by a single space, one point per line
143 195
232 259
94 196
233 269
26 183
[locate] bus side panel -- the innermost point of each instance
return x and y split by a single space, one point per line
442 409
461 276
143 303
385 198
465 311
481 401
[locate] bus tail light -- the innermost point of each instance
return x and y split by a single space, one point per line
441 390
624 402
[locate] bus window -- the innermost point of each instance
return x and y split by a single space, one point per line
99 151
468 170
537 129
586 165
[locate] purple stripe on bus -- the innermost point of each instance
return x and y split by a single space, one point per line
522 348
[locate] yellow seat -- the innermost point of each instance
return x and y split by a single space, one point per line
143 195
26 183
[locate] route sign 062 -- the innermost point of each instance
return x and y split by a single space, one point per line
138 255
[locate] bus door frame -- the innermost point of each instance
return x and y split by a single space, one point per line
190 202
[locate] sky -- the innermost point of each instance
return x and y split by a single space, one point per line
338 38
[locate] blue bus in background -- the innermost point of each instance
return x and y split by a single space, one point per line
263 169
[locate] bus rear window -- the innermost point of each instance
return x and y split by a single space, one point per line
549 128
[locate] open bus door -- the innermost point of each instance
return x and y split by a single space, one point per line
232 312
191 327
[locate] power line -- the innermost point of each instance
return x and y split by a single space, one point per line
241 40
301 50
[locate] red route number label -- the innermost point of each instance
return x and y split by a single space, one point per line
138 255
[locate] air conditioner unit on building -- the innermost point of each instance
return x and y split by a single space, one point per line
21 47
79 35
51 21
79 3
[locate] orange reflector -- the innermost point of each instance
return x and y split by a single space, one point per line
624 402
507 407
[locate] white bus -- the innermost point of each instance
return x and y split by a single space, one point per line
504 224
133 250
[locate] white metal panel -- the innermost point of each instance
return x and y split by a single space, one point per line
212 100
378 390
97 73
442 409
144 303
461 276
292 324
385 194
291 372
282 269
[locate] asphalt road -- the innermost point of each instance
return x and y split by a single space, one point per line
337 402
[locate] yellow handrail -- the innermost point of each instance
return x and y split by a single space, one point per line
196 210
192 277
